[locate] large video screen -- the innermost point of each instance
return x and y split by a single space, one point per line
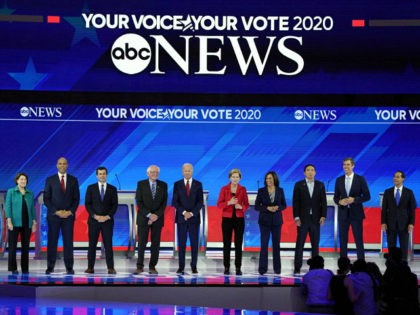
215 46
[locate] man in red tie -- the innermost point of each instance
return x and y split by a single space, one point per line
398 212
61 196
188 202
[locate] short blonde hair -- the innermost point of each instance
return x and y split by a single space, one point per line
235 170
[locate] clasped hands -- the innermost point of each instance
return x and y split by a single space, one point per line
63 214
346 201
234 201
152 218
101 218
273 208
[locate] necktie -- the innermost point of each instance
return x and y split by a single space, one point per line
102 192
397 197
348 185
187 187
153 190
62 184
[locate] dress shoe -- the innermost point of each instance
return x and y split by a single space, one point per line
238 272
70 272
226 272
25 272
89 270
15 272
262 273
112 271
180 271
277 272
194 271
296 271
138 271
153 271
49 271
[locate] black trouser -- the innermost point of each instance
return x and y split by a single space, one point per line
106 229
230 225
143 232
25 235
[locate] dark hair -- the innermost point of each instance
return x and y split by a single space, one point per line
343 264
19 175
316 262
401 172
101 168
359 266
275 178
349 159
308 165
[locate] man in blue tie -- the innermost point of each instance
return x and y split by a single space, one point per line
350 192
101 202
398 212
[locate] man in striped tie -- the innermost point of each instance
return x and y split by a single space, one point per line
151 198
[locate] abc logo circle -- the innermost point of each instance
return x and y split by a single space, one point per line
131 53
24 112
298 115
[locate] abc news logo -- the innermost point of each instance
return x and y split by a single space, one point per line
131 53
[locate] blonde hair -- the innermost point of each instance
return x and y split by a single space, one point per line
235 170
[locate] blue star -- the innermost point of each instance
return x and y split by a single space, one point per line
81 31
29 79
5 9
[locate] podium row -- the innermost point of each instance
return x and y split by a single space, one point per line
125 231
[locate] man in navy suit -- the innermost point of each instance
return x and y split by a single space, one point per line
398 212
309 211
151 197
188 202
101 202
351 190
61 196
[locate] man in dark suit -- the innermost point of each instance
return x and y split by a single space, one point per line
309 211
101 202
188 202
398 212
151 197
61 196
351 190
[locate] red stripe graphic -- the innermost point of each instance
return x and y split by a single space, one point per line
53 19
358 23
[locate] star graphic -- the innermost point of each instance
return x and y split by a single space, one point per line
30 78
5 9
81 32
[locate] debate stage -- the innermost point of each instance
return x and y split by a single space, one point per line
209 288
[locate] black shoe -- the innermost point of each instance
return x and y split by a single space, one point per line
26 272
49 271
70 272
15 272
296 271
112 271
238 272
153 271
194 270
89 270
262 273
138 271
226 272
277 272
180 271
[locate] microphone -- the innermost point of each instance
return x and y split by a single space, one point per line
328 184
118 180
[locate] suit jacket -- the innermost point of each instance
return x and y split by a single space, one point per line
14 206
146 204
398 217
55 199
303 203
192 203
359 191
225 195
263 201
94 204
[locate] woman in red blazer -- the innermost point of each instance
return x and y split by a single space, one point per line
233 200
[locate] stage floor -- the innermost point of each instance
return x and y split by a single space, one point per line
209 288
